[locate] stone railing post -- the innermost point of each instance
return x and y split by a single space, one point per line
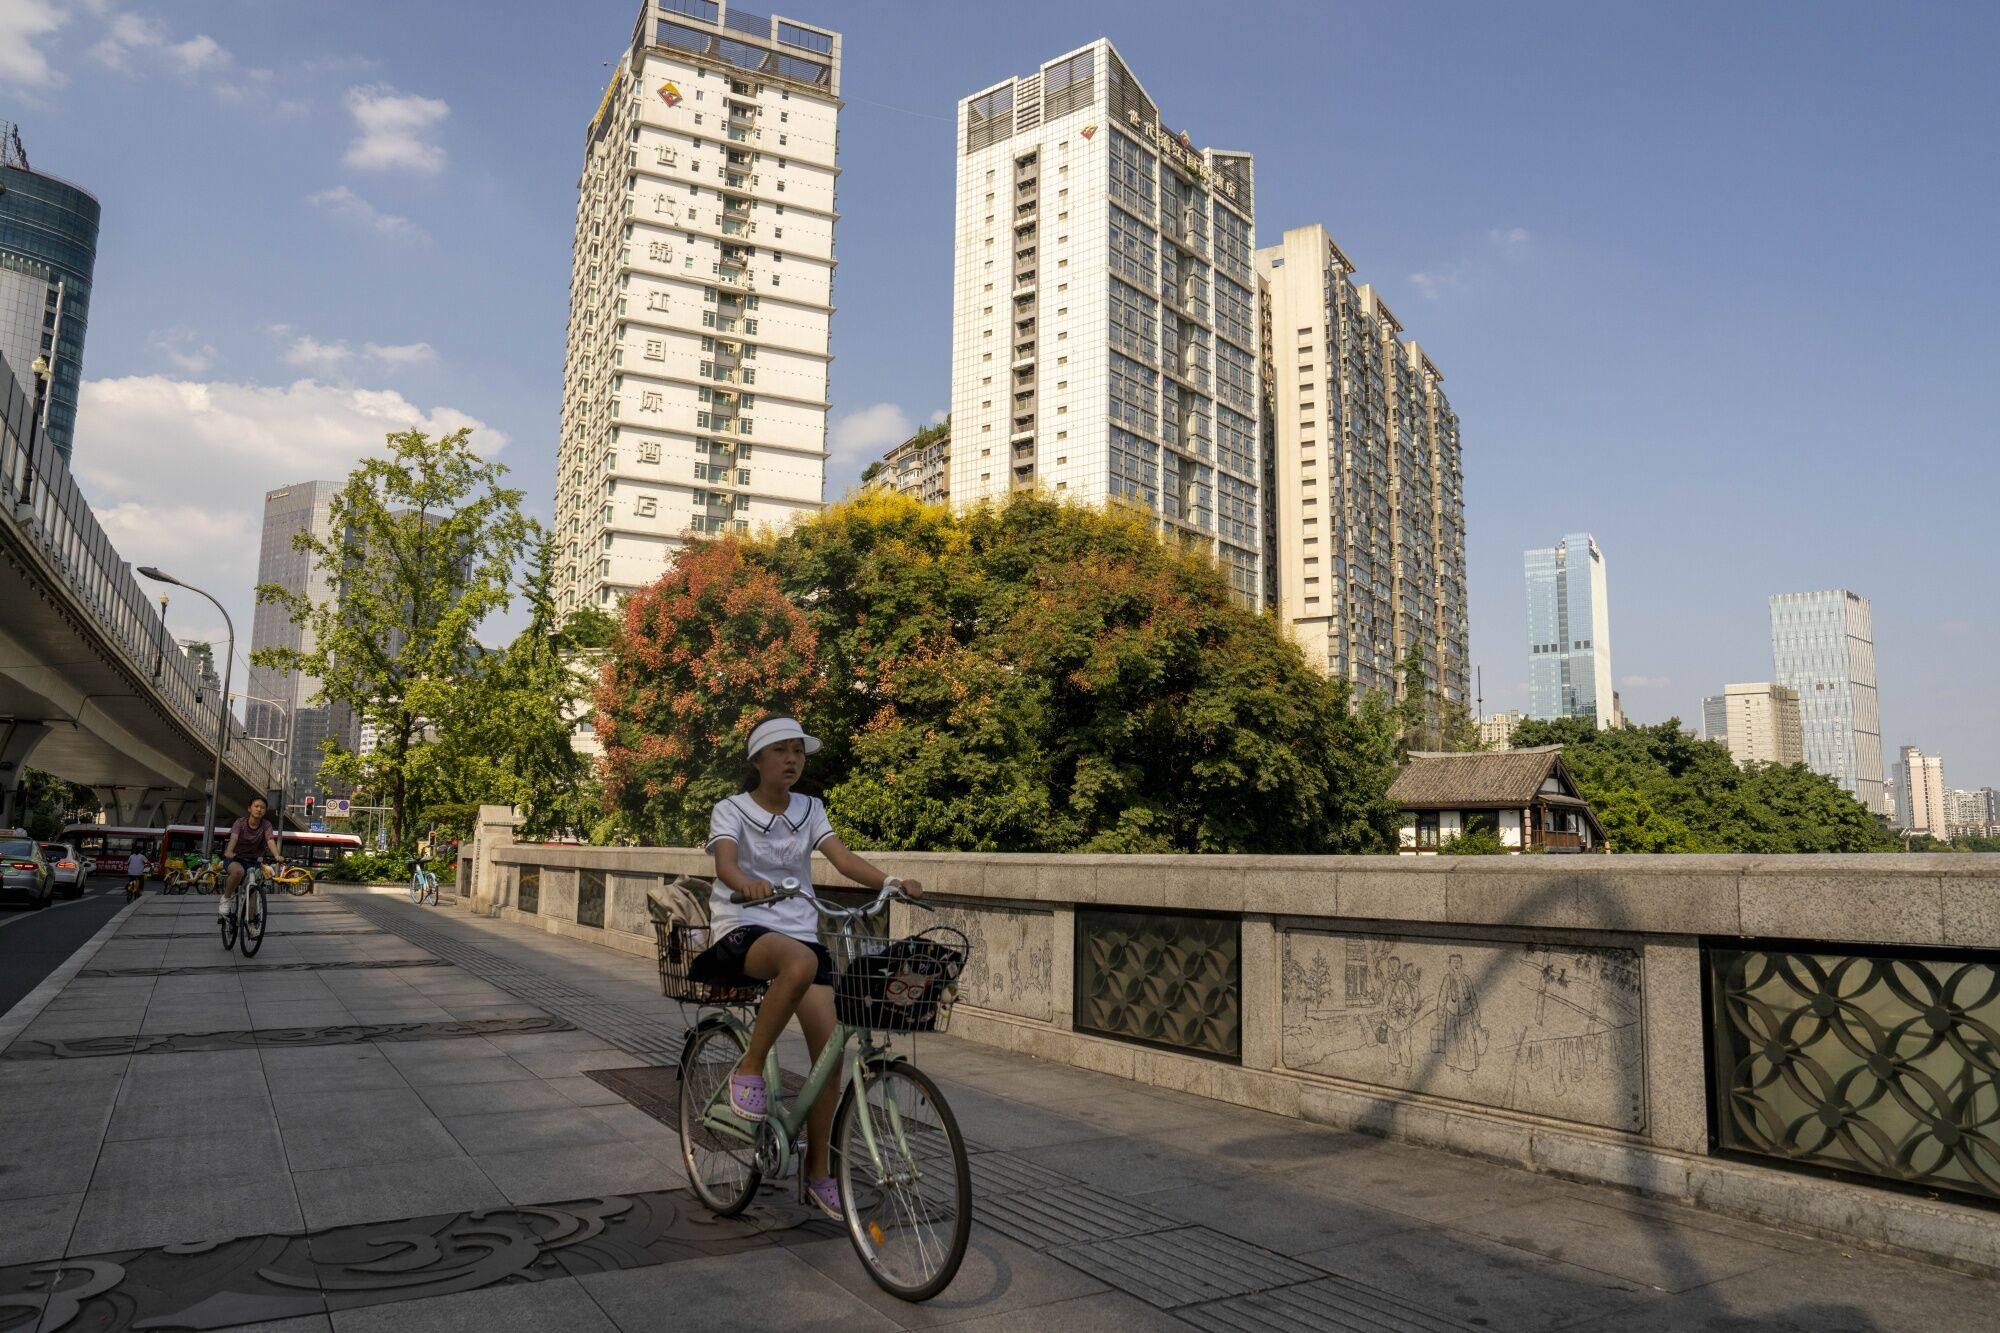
495 831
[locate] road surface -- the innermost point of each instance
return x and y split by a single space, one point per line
34 944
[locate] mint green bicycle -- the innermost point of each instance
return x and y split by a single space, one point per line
905 1181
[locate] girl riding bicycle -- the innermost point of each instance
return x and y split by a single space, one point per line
759 837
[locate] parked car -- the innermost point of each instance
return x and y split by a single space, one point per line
25 873
70 871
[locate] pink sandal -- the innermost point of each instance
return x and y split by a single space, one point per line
746 1096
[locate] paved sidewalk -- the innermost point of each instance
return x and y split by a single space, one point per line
387 1120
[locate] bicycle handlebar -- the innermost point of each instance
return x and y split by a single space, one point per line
790 888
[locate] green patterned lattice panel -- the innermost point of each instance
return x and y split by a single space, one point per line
1876 1064
1160 978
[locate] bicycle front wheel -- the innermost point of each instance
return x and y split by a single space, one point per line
723 1170
905 1181
229 922
252 934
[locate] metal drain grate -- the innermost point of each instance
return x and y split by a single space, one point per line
998 1173
1071 1215
1334 1303
1170 1269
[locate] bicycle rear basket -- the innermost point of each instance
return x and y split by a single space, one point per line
900 985
680 944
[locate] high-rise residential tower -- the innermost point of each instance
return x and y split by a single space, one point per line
701 289
1569 632
1921 797
48 250
1758 721
1368 501
1104 310
1823 646
303 507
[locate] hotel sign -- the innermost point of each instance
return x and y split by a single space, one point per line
1178 150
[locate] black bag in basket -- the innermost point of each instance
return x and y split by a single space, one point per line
902 988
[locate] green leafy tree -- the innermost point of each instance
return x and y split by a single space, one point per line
702 654
1657 789
424 547
1478 842
1425 719
45 803
510 736
1033 677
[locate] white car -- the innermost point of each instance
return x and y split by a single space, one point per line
70 871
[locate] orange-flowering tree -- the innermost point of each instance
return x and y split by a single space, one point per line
1034 677
701 655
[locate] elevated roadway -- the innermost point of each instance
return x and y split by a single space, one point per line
92 686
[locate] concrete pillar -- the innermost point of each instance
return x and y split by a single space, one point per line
494 831
1676 1056
17 742
1262 1015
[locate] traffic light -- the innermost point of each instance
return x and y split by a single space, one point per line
309 810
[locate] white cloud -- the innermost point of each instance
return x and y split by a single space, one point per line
130 37
1511 238
868 430
937 418
309 353
346 204
401 354
183 347
176 469
395 130
24 24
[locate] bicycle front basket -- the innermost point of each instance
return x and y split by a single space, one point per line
905 985
680 944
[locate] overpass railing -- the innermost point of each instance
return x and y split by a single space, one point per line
41 503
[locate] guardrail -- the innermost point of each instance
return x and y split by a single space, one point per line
41 502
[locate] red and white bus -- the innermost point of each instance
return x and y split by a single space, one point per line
316 850
104 847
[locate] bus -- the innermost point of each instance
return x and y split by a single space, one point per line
316 850
104 847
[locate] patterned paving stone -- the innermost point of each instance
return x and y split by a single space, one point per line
205 969
1169 1269
247 1038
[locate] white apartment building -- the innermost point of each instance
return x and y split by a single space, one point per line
1104 310
1823 646
701 289
1920 793
1759 721
1368 497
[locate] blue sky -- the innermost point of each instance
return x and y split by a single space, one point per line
1707 281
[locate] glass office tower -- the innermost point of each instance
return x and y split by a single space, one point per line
1569 632
1823 645
48 247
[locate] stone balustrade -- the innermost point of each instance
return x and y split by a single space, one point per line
1675 1025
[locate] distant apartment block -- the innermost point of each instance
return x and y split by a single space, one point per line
1758 721
1823 647
1104 310
1368 503
701 293
1921 796
1973 814
1496 731
919 467
1569 632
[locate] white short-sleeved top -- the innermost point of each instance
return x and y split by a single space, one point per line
772 848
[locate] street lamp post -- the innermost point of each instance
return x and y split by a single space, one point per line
222 704
288 737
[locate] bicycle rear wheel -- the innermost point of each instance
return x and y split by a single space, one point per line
300 884
908 1193
253 907
723 1170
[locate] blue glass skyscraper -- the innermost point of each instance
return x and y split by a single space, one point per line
48 248
1569 632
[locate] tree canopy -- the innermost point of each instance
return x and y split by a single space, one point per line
1657 789
1034 677
425 545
